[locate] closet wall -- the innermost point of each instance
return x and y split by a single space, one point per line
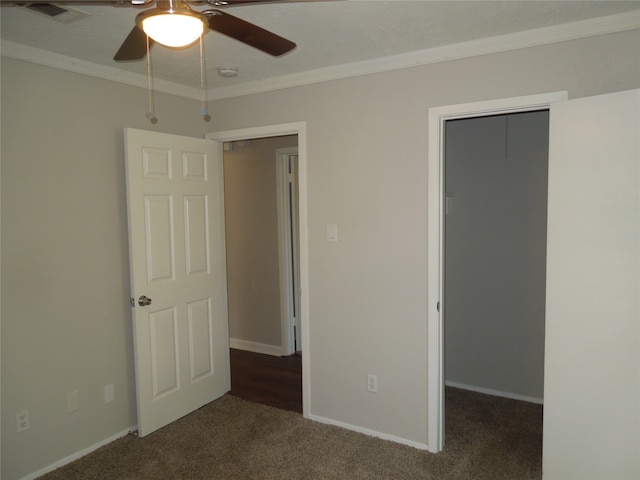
496 184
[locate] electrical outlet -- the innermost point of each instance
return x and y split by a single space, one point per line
372 383
22 421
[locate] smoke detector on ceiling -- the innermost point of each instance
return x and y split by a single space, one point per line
59 13
228 71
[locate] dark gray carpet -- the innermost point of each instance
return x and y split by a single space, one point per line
487 438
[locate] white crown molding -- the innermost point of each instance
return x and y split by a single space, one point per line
530 38
25 53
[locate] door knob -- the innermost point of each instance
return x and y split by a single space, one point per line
143 301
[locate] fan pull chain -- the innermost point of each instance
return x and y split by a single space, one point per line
203 82
150 114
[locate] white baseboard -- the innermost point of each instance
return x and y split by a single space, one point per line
497 393
371 433
75 456
275 350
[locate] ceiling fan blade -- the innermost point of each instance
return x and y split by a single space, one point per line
248 33
134 46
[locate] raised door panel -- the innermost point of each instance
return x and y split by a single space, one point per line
196 234
165 362
200 339
159 228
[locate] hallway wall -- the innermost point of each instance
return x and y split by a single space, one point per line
253 276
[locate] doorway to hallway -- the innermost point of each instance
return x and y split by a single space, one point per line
299 130
262 239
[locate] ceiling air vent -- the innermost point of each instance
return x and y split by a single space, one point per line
56 12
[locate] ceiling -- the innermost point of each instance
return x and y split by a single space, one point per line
328 34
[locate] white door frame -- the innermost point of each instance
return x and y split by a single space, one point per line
299 129
288 250
435 240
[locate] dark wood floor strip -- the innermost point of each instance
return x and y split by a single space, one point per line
266 379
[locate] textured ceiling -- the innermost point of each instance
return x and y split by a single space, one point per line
328 33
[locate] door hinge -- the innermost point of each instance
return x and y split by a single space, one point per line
438 306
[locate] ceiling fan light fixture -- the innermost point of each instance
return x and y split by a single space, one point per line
170 27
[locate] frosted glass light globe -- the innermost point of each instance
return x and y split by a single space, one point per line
173 29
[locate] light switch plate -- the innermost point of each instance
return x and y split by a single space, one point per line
73 401
109 393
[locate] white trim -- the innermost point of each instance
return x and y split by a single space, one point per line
435 270
502 43
38 56
435 336
256 347
286 249
495 393
79 454
371 433
259 132
299 129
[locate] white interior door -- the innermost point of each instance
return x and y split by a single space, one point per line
592 355
178 275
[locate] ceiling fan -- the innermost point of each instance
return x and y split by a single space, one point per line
158 21
174 23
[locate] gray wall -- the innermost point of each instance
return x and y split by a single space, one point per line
496 237
367 172
252 241
66 322
64 231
